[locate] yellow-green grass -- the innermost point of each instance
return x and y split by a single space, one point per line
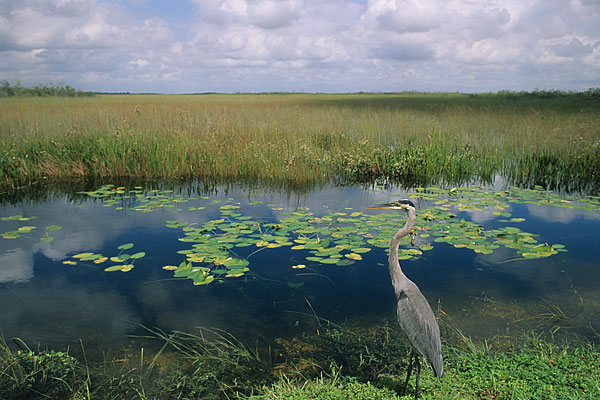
303 138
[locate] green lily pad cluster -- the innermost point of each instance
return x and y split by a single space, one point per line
479 198
139 200
539 196
466 234
221 247
524 243
121 262
24 230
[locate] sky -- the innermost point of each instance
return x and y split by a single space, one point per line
187 46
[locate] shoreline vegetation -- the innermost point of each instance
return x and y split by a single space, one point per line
331 363
545 138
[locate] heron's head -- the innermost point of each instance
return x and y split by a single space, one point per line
395 205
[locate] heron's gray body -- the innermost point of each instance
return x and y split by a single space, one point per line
415 316
414 312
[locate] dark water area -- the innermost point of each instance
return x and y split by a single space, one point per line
43 300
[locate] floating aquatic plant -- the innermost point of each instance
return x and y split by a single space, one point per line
121 262
24 230
338 238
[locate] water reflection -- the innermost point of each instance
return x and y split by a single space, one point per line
557 214
57 313
483 294
17 265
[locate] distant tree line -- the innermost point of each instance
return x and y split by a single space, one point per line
40 90
592 93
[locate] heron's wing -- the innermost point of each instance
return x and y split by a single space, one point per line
417 320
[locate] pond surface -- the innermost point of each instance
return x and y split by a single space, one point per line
96 266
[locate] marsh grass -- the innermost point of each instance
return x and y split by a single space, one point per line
300 139
36 373
329 363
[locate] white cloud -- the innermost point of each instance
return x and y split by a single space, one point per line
274 14
337 45
404 16
140 63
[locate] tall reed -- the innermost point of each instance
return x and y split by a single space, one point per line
301 138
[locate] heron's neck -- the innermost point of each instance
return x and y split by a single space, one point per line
394 265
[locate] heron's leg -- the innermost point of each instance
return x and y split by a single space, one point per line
408 372
418 372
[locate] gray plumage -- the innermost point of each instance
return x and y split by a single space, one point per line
414 313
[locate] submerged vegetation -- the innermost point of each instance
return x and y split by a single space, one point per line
415 139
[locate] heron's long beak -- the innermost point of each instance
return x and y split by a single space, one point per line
388 207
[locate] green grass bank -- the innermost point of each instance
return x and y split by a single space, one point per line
413 139
334 364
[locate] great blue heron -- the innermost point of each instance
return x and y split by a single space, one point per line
413 310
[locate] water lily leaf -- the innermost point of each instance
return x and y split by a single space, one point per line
414 252
125 246
175 224
69 262
245 243
138 255
83 255
229 207
236 263
46 238
26 229
11 235
183 270
532 255
361 250
113 268
299 266
208 279
353 256
17 217
52 228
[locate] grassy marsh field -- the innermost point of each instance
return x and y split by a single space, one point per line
295 139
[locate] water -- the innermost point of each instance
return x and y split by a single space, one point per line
479 295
